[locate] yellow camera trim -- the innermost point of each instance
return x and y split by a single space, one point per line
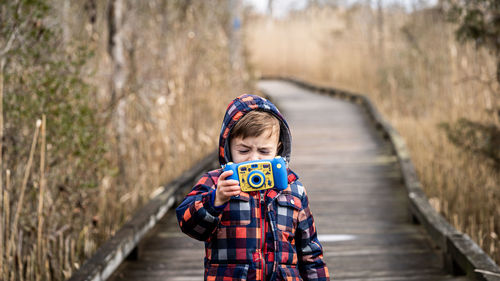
266 175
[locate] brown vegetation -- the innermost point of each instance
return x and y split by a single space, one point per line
417 74
159 79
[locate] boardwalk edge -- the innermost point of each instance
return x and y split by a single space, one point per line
461 255
114 251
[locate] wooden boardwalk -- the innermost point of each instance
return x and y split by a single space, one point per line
356 195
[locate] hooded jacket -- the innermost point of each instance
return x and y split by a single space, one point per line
266 235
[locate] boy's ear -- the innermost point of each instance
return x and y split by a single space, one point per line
280 146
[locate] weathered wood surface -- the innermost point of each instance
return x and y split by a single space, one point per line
356 195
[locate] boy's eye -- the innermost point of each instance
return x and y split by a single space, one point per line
243 151
264 151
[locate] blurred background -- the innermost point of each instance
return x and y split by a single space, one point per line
105 101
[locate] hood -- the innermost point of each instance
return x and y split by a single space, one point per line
237 109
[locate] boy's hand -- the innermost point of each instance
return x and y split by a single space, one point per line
226 189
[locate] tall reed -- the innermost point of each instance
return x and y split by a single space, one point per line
417 75
2 206
39 248
2 188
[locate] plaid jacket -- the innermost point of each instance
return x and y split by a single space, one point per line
234 244
257 235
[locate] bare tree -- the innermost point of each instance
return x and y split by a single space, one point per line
270 7
380 28
370 27
116 50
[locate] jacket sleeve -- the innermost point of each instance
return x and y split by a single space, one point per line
309 250
197 215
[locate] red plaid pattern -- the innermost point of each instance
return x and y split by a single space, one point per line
234 244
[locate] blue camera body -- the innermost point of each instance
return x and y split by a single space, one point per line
259 174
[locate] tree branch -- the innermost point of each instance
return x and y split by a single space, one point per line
8 46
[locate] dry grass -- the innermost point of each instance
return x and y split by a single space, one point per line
168 117
418 76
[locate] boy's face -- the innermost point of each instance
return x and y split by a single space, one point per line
262 147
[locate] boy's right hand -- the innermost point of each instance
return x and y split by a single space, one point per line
226 189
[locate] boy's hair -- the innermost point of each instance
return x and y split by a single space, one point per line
254 124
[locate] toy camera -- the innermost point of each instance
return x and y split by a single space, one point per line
259 174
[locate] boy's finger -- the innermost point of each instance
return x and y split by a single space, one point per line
232 182
233 193
230 188
230 185
225 174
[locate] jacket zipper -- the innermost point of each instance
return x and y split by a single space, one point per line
263 237
275 264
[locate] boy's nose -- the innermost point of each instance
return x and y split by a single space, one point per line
254 156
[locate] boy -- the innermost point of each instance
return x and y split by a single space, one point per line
259 235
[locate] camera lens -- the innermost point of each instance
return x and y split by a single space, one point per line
256 179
